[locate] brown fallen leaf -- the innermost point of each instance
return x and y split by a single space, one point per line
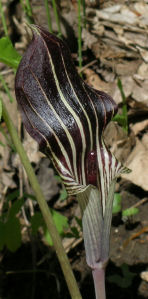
145 140
119 143
31 148
46 177
94 80
128 85
138 163
140 93
7 179
144 275
142 72
140 126
88 39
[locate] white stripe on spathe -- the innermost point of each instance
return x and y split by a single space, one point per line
84 111
65 154
78 123
99 159
58 141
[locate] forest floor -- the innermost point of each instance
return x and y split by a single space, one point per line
115 46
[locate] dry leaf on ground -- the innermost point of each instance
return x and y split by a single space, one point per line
144 275
47 179
138 163
94 80
140 126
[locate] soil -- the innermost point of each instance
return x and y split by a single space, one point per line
33 271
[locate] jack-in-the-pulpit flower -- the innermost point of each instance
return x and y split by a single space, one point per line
67 118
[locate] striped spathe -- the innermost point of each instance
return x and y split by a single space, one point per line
65 115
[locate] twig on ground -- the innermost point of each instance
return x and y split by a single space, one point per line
139 203
133 236
87 65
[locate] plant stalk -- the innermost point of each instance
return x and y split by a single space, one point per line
99 282
84 13
48 15
29 9
57 17
6 88
92 222
79 36
96 232
3 19
124 105
63 259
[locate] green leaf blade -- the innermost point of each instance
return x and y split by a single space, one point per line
60 221
16 208
13 234
8 53
117 203
0 109
37 221
130 212
2 235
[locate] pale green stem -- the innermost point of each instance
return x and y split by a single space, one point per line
107 223
3 19
92 222
96 232
6 88
124 105
48 15
84 13
99 283
6 137
29 9
63 259
79 35
57 17
23 5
